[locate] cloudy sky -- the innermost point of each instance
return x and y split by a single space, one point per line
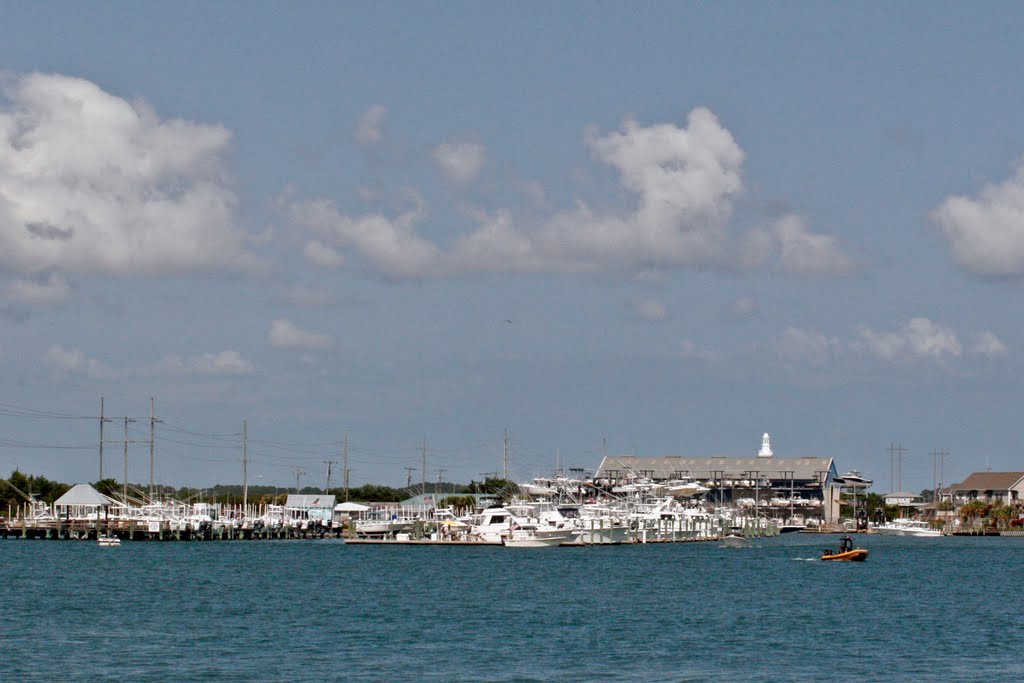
652 229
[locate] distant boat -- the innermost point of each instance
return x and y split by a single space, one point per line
907 527
735 540
847 553
530 537
853 479
686 489
109 541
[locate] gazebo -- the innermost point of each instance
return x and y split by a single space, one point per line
80 501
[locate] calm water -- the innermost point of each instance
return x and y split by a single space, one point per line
918 609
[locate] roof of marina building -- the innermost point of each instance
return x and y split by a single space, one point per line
667 467
812 470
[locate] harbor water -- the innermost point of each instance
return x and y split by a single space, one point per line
917 609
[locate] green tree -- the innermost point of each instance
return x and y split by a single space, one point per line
458 503
973 512
1000 514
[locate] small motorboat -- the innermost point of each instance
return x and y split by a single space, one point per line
109 541
735 540
847 553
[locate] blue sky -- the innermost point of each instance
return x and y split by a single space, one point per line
667 228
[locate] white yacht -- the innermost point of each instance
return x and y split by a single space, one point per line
907 527
853 479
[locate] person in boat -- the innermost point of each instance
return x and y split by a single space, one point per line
845 544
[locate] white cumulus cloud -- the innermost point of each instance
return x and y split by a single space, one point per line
285 335
319 254
986 234
989 345
91 183
684 181
73 362
460 162
222 363
391 245
796 250
917 338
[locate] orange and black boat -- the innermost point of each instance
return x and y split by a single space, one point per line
847 553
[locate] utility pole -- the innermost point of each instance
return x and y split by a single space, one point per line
424 476
408 476
345 466
298 473
152 444
245 466
941 455
505 470
329 463
102 420
125 483
896 451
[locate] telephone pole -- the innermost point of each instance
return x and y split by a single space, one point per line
937 455
505 469
124 492
408 476
102 420
329 463
424 477
152 444
245 466
298 473
345 466
896 451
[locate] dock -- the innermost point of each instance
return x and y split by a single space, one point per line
149 531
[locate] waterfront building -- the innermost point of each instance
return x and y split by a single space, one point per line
312 507
990 487
803 482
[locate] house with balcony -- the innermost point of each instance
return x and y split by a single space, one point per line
990 487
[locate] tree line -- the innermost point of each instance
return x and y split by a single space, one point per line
16 489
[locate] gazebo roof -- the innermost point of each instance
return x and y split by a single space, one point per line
85 495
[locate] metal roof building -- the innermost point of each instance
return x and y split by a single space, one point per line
804 471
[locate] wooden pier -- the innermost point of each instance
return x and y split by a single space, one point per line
131 530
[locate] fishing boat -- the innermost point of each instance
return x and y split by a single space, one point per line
847 553
908 527
525 537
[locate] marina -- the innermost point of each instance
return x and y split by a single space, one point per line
704 608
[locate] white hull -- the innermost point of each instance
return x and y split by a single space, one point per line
533 542
382 528
732 541
605 535
919 529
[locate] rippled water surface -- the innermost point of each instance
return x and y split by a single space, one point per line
918 609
